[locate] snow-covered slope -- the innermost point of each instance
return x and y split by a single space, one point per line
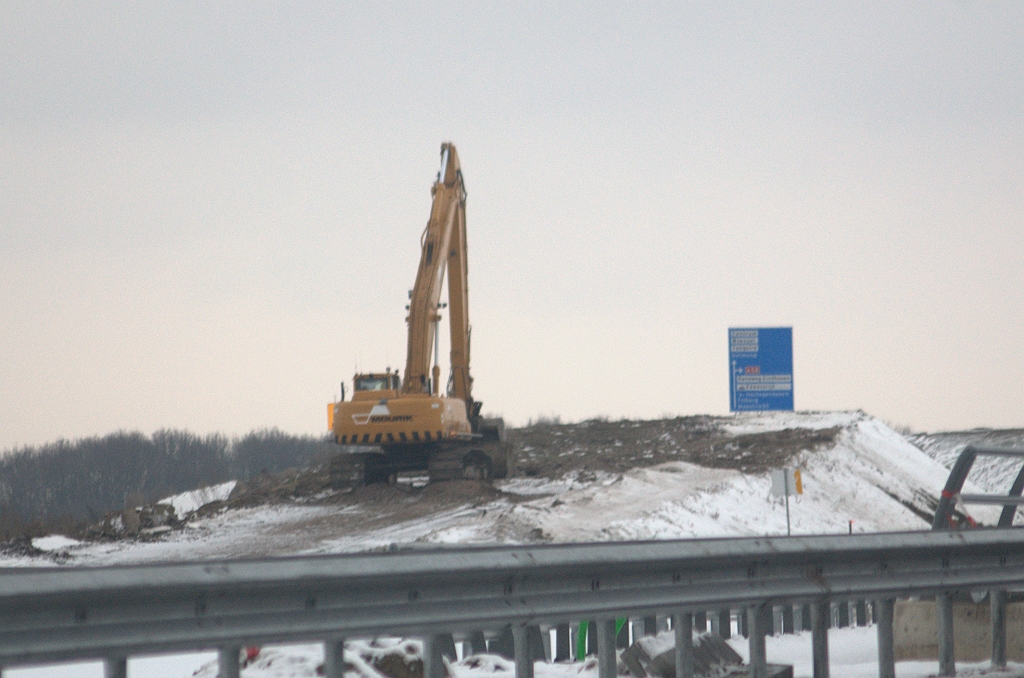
190 501
994 474
868 474
871 475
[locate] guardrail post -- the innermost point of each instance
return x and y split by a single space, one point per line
861 611
759 619
700 621
504 644
523 660
650 625
944 612
682 624
334 658
886 655
562 643
116 667
843 614
228 661
821 615
621 640
724 618
606 665
787 619
998 600
478 642
592 638
805 618
433 654
536 640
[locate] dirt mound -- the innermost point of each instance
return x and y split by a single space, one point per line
471 491
22 546
552 450
267 488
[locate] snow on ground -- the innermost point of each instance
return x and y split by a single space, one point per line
540 486
264 531
762 422
994 474
870 475
187 502
165 666
54 542
853 653
462 525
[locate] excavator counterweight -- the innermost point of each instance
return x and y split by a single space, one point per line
393 425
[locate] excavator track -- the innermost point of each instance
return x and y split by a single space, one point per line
476 462
347 470
484 460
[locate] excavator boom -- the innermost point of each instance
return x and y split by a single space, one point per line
443 245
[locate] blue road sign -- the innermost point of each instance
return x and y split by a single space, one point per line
760 369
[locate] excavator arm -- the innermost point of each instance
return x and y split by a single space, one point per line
443 246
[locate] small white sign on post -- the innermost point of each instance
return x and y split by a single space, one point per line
787 481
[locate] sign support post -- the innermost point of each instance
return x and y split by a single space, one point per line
785 480
784 483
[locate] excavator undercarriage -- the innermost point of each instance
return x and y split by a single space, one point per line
485 457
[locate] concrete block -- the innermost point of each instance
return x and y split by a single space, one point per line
916 636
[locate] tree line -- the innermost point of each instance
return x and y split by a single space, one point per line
58 485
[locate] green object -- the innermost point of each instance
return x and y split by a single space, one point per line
581 635
581 640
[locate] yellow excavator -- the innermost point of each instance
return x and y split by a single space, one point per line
393 426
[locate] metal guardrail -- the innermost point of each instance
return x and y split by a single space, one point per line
945 512
57 614
945 519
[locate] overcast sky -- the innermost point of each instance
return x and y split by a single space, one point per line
210 212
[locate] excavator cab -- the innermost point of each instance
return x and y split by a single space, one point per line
375 386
